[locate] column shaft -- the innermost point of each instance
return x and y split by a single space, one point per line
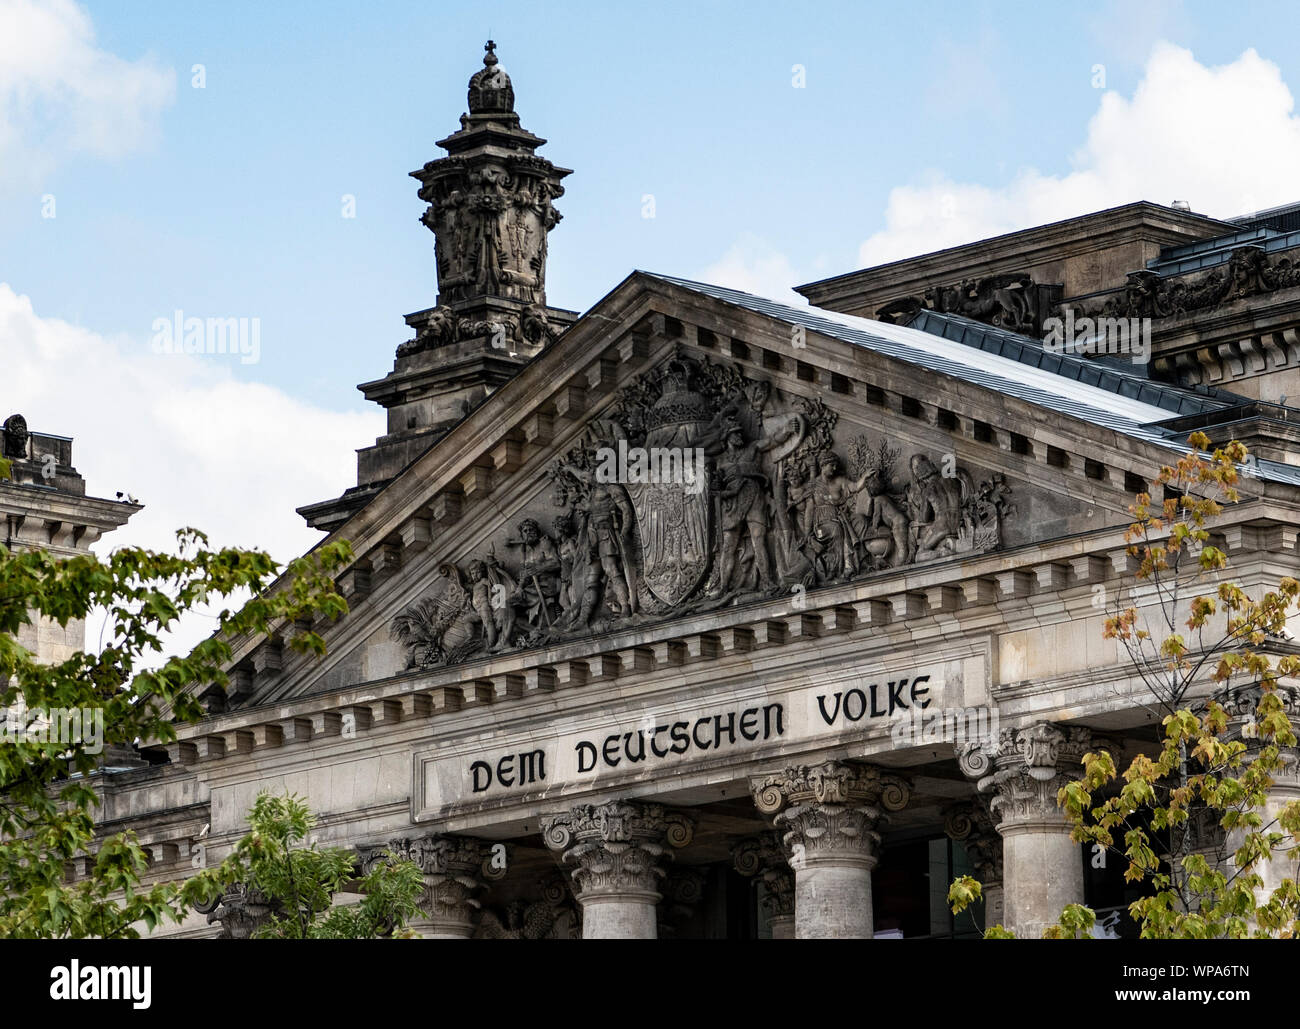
833 902
827 816
1042 873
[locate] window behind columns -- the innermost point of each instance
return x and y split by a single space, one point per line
910 891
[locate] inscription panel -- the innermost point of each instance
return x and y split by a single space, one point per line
668 741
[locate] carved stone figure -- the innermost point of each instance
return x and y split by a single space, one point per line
473 613
1148 294
834 537
539 574
743 501
490 591
936 504
609 519
534 325
1010 300
15 437
242 911
579 587
768 505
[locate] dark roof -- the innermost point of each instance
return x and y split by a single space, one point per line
1012 365
1106 373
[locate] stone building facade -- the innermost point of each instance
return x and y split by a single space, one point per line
704 615
45 507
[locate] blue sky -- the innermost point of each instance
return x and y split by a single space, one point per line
232 206
916 127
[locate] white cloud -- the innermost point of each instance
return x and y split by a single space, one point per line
60 94
754 265
1224 139
197 446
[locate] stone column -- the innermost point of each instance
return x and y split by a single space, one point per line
1042 866
1241 706
456 869
616 850
762 858
241 911
828 816
682 889
971 825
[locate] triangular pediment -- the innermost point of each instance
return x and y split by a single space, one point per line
674 455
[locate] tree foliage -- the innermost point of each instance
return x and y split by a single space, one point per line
49 790
1193 817
299 880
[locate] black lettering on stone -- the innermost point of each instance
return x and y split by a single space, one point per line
586 756
896 696
654 741
875 712
486 772
749 723
730 730
917 691
821 703
695 733
680 737
506 767
861 698
767 720
532 767
627 746
611 744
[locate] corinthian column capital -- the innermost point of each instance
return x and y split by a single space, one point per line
617 848
834 782
456 869
971 825
762 858
1023 770
829 812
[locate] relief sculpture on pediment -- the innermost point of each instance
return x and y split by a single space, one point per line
697 489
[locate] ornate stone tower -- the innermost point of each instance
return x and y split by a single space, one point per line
490 208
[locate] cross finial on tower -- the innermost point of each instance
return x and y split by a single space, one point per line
489 46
